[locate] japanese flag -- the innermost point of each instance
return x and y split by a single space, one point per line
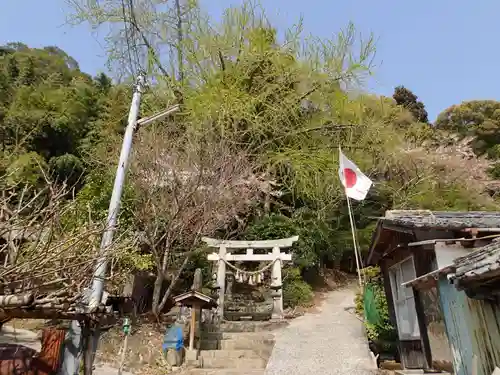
355 182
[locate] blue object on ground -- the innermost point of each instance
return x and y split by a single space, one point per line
174 338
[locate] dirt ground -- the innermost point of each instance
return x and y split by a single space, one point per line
144 354
328 281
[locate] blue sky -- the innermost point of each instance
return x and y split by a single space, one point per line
446 51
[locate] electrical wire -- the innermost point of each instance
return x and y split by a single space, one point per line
127 38
134 19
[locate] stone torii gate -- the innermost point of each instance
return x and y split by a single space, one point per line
276 256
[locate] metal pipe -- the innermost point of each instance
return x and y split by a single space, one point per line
158 116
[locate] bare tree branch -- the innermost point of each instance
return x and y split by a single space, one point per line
186 189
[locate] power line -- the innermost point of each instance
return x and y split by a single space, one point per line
127 40
134 19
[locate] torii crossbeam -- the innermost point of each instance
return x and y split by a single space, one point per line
276 255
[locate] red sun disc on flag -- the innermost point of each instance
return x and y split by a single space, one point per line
349 177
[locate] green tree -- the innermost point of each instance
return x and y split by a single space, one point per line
477 118
27 170
48 106
407 99
67 168
283 102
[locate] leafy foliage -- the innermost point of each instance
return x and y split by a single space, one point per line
26 170
407 99
49 107
494 171
382 330
296 292
280 226
67 168
478 118
281 101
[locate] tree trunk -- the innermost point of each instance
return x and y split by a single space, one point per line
157 293
173 283
158 285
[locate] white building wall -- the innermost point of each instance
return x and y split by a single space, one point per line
446 254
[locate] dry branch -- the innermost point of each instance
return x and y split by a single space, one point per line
187 189
48 258
17 300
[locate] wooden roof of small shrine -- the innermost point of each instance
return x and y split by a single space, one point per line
197 299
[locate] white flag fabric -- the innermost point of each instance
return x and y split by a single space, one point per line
355 182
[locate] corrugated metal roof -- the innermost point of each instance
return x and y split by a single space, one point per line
443 219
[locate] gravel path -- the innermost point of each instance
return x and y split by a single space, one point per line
329 342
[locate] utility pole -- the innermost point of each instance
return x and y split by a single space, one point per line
114 204
74 341
113 210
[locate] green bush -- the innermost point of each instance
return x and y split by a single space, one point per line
296 292
316 241
493 152
27 170
68 168
94 198
494 171
381 331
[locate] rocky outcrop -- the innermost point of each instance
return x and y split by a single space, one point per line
453 155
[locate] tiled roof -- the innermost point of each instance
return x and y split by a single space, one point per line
426 219
479 264
443 219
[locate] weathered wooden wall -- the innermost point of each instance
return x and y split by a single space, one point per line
436 330
415 354
473 328
485 323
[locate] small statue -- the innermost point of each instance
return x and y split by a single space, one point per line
197 280
230 284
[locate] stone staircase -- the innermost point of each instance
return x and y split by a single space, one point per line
239 348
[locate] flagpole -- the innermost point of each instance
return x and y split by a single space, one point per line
351 219
365 184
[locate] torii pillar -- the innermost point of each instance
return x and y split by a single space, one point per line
222 256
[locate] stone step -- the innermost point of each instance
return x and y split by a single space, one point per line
232 354
236 316
242 363
245 326
239 343
211 344
260 335
226 371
